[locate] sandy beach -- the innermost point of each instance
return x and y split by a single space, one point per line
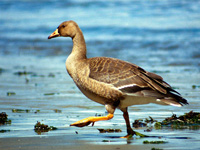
160 36
34 102
61 143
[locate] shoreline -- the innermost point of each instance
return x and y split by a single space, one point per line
66 142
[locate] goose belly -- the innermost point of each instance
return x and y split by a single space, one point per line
92 96
137 100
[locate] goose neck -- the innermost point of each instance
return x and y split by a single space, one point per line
79 46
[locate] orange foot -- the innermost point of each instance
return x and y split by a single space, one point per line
127 136
89 120
130 133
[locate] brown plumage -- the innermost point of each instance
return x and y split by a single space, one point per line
131 79
113 82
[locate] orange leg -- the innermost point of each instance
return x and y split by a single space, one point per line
89 120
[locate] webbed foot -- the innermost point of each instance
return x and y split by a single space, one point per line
89 120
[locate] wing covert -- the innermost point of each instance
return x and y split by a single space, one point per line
124 75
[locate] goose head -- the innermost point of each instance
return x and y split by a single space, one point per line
65 29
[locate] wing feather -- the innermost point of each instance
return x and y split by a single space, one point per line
132 79
121 74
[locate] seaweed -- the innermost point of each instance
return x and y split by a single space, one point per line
51 75
40 127
48 94
156 148
119 130
141 123
2 70
20 110
11 93
37 111
4 119
158 125
20 73
26 73
24 111
109 130
189 120
105 140
98 115
195 86
3 131
57 111
154 142
150 120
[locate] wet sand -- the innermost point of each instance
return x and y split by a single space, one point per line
63 143
47 94
159 36
90 142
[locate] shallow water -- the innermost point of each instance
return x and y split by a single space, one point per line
160 36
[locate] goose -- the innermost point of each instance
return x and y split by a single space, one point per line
112 82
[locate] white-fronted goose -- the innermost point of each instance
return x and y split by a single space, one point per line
112 82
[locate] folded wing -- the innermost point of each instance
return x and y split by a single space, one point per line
133 80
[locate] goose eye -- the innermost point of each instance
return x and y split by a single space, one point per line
63 26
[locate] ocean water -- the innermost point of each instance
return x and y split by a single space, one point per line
161 36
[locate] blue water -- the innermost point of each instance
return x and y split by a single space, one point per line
111 28
162 36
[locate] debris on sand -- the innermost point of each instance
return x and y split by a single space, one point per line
195 86
20 73
189 120
156 148
57 111
143 123
24 111
11 93
1 70
20 110
40 127
4 119
139 123
109 130
154 142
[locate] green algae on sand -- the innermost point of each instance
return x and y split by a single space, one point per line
4 119
154 142
189 120
109 130
40 127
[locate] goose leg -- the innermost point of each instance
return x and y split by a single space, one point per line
89 120
130 131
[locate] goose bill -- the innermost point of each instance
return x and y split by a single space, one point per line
54 34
